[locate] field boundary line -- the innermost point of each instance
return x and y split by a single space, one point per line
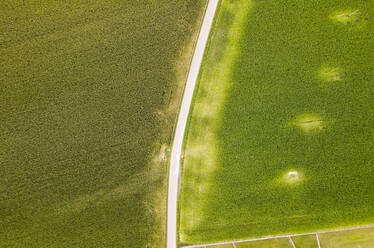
291 241
317 238
174 170
282 236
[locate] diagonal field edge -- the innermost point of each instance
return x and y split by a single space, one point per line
281 236
174 170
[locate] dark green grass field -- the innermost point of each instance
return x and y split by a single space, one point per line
89 93
294 138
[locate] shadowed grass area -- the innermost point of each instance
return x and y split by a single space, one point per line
280 115
89 91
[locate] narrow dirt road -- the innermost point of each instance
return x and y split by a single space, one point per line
176 151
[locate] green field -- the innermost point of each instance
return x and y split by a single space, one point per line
89 91
281 134
270 243
307 241
360 238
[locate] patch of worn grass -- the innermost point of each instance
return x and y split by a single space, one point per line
347 17
352 16
89 93
276 118
330 74
292 177
310 123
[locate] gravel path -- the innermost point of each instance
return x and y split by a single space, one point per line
176 151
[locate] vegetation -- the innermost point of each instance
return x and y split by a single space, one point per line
281 133
363 238
308 241
89 93
269 243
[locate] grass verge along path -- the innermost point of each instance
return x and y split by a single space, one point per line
182 121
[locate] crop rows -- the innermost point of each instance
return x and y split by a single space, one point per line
89 93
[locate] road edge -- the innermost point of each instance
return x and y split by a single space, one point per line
174 170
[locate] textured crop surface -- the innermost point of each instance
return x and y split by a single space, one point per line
281 136
89 92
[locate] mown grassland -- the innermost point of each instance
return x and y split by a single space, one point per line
292 142
269 243
89 93
359 238
307 241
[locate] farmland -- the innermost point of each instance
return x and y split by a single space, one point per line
280 137
363 238
89 92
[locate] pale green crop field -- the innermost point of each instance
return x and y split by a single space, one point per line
281 134
308 241
271 243
360 238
